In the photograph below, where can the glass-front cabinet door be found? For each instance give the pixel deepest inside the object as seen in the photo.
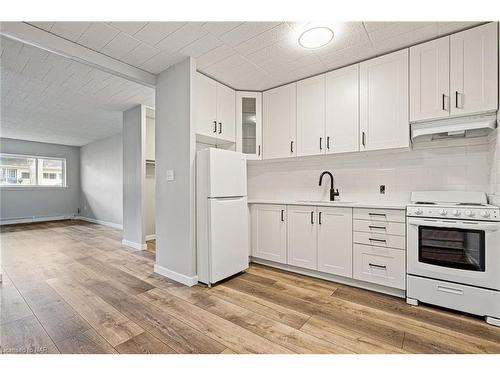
(249, 124)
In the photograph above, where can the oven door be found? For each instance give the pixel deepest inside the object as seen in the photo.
(465, 252)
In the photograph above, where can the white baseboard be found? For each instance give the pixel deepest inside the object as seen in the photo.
(135, 245)
(183, 279)
(34, 219)
(150, 237)
(95, 221)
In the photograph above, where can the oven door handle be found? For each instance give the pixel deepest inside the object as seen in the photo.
(457, 224)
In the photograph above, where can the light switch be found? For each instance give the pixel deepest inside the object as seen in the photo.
(170, 175)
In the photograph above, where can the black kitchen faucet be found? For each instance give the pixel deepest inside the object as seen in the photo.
(333, 193)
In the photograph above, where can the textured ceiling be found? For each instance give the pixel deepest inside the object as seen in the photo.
(245, 55)
(49, 98)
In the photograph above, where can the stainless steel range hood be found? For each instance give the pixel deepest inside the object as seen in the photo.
(461, 127)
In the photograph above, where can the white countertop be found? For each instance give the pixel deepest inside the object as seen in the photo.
(359, 204)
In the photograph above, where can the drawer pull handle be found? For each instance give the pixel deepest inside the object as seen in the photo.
(376, 214)
(376, 227)
(282, 215)
(377, 266)
(377, 240)
(450, 290)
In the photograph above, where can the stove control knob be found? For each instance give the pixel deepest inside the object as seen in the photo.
(418, 211)
(442, 212)
(485, 214)
(469, 213)
(456, 212)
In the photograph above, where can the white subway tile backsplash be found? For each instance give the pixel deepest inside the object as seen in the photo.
(474, 167)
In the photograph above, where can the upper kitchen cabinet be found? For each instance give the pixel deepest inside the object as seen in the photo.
(205, 114)
(474, 70)
(430, 80)
(342, 110)
(456, 75)
(215, 112)
(249, 124)
(280, 120)
(226, 114)
(311, 116)
(384, 120)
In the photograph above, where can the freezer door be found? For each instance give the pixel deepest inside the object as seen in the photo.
(228, 237)
(228, 174)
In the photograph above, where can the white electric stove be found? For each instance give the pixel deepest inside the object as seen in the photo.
(453, 249)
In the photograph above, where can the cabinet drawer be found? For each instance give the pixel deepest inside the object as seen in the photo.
(377, 214)
(465, 298)
(379, 265)
(377, 239)
(371, 226)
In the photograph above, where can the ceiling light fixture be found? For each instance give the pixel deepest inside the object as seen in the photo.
(316, 37)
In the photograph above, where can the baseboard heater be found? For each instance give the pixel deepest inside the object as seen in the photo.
(33, 219)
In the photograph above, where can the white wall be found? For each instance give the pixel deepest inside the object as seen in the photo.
(101, 175)
(175, 150)
(149, 182)
(358, 175)
(134, 121)
(41, 202)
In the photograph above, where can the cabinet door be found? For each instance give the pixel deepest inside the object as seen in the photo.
(268, 230)
(226, 114)
(249, 124)
(384, 121)
(311, 116)
(205, 106)
(302, 236)
(342, 110)
(430, 80)
(280, 120)
(335, 240)
(474, 70)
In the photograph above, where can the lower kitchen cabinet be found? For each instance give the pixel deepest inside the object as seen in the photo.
(364, 244)
(379, 265)
(268, 239)
(302, 236)
(335, 240)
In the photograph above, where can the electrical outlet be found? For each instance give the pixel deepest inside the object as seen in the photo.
(170, 175)
(382, 189)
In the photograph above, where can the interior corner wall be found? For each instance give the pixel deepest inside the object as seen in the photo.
(28, 203)
(101, 176)
(175, 150)
(133, 176)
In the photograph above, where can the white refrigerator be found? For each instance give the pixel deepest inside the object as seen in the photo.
(222, 239)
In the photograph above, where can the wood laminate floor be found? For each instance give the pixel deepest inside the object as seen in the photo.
(71, 287)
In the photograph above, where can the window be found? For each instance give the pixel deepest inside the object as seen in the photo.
(19, 170)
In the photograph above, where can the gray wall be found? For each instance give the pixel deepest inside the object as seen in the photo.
(101, 180)
(134, 124)
(175, 150)
(27, 202)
